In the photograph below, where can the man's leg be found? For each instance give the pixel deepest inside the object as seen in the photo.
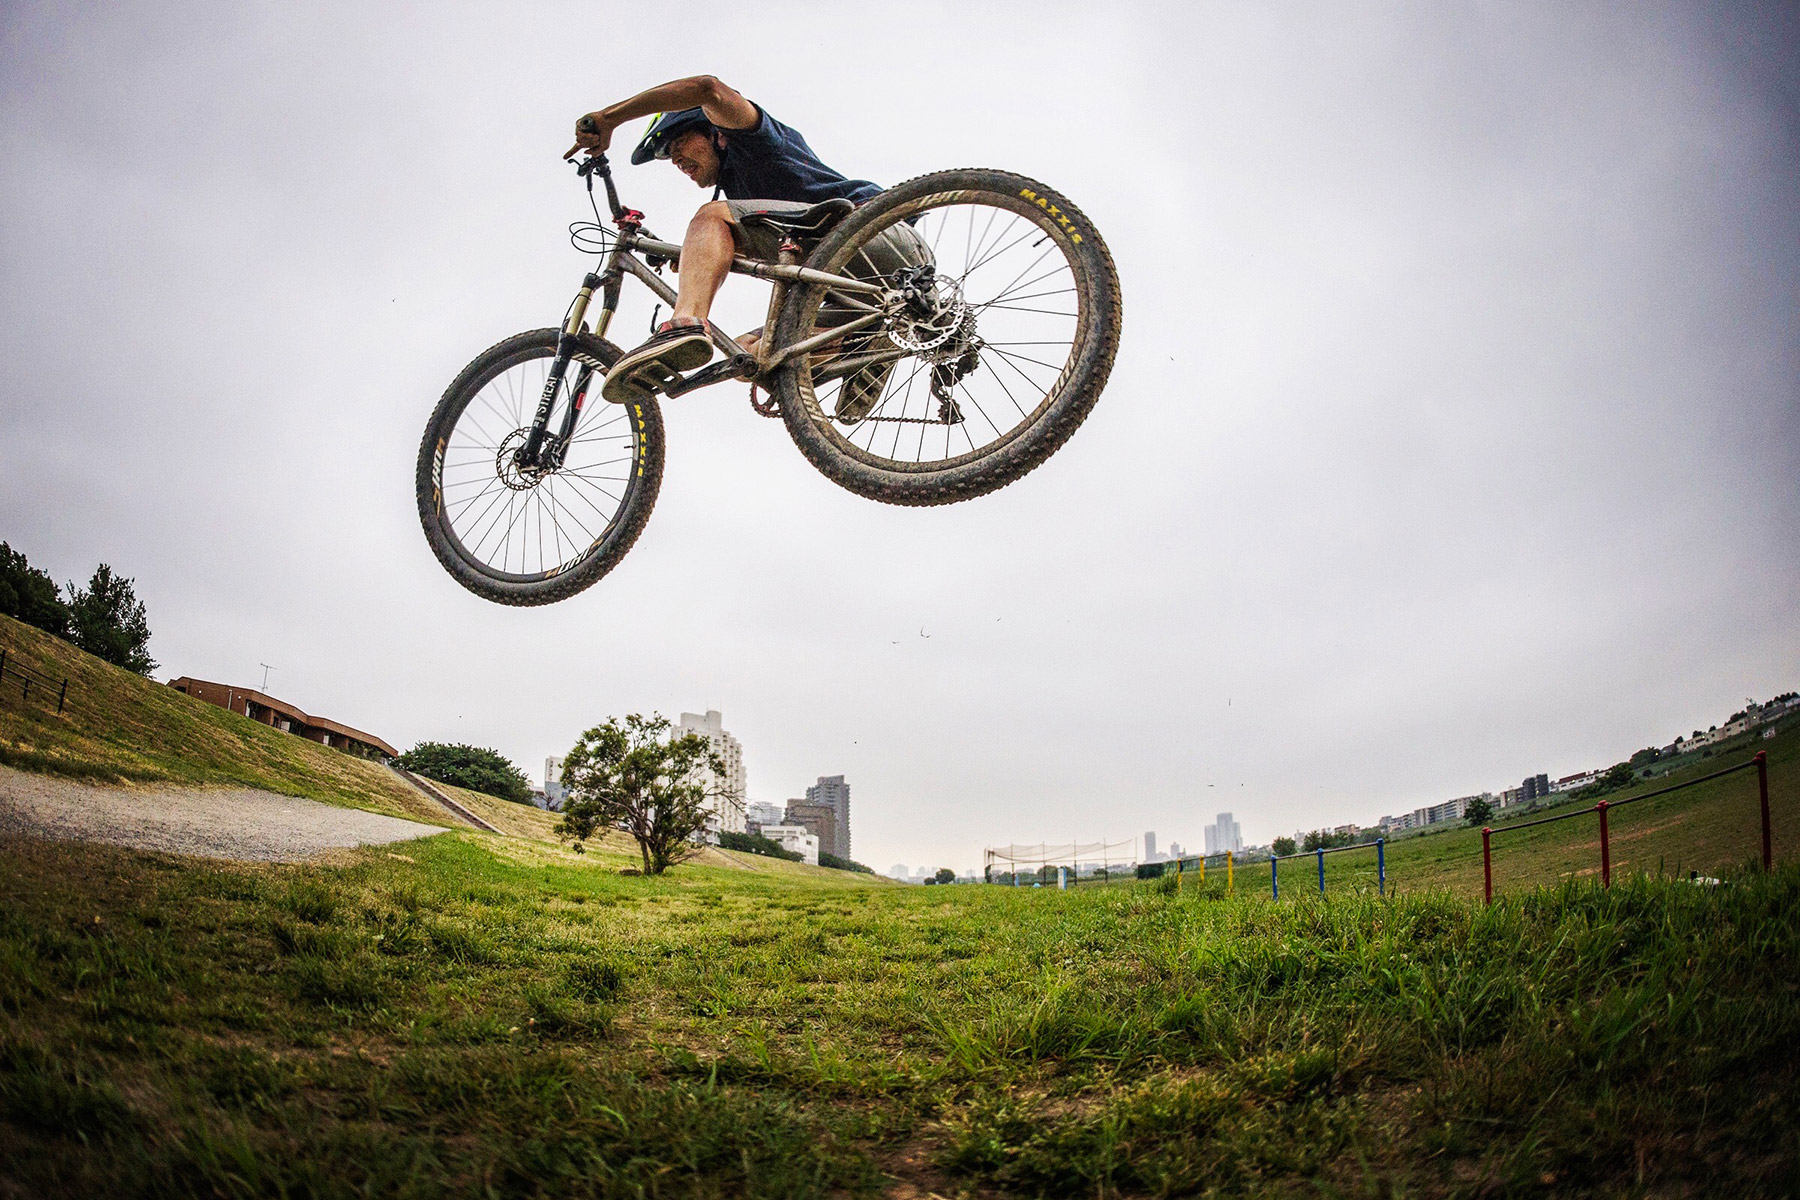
(706, 254)
(682, 344)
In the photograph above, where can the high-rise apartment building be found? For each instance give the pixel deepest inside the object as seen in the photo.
(554, 791)
(759, 813)
(725, 793)
(821, 819)
(1224, 834)
(1150, 846)
(832, 791)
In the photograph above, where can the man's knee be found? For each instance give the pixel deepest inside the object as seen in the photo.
(713, 212)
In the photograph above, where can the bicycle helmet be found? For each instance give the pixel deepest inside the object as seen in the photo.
(665, 128)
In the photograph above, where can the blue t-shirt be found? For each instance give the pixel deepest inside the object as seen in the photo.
(771, 161)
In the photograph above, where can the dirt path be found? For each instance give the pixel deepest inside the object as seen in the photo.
(242, 824)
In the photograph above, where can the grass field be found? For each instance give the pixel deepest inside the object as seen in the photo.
(472, 1015)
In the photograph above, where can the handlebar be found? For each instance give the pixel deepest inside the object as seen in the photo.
(596, 164)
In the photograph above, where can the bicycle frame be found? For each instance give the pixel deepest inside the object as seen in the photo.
(622, 259)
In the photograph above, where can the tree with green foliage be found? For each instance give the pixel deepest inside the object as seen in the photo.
(1479, 812)
(1282, 846)
(842, 864)
(633, 775)
(1617, 776)
(107, 620)
(29, 595)
(474, 767)
(945, 875)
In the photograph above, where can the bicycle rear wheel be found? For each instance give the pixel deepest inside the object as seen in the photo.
(1000, 351)
(535, 536)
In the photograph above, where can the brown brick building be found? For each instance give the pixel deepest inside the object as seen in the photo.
(248, 702)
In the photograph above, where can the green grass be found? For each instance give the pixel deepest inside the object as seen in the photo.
(118, 727)
(466, 1019)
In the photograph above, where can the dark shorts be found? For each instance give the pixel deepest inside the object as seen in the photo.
(898, 246)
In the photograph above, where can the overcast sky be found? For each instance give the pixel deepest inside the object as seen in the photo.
(1454, 436)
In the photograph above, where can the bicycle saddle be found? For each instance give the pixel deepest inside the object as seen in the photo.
(812, 223)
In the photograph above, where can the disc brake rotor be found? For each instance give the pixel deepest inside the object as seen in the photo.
(944, 315)
(506, 464)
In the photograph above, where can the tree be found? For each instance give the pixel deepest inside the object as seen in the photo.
(474, 767)
(1479, 812)
(842, 864)
(107, 620)
(632, 775)
(1282, 846)
(1617, 776)
(945, 875)
(29, 595)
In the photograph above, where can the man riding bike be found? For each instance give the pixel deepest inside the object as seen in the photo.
(764, 169)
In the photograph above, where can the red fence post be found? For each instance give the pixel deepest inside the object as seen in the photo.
(1762, 787)
(1487, 865)
(1605, 847)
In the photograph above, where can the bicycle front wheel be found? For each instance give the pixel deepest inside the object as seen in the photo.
(519, 535)
(997, 334)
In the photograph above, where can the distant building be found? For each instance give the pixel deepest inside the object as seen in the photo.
(279, 714)
(759, 813)
(1150, 854)
(796, 838)
(725, 792)
(820, 818)
(554, 791)
(1569, 783)
(898, 871)
(1175, 850)
(1534, 787)
(1224, 834)
(831, 790)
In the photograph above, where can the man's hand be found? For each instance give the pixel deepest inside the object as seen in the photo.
(593, 133)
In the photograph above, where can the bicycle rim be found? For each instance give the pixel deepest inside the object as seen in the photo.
(516, 527)
(1011, 319)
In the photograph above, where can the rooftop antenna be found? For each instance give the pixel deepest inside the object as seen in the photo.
(265, 683)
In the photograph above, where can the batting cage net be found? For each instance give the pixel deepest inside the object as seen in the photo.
(1058, 863)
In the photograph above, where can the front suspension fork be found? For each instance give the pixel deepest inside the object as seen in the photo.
(542, 449)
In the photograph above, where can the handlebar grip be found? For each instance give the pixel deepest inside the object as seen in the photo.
(587, 125)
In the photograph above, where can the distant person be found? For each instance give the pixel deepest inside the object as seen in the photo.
(722, 141)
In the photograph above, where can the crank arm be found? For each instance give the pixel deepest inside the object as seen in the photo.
(738, 366)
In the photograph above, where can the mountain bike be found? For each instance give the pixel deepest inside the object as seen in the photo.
(928, 374)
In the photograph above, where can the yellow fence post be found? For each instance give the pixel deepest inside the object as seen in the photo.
(1178, 877)
(1228, 873)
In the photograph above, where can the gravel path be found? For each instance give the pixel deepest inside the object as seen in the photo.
(242, 824)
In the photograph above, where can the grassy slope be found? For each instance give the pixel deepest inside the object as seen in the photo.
(1707, 828)
(118, 726)
(463, 1020)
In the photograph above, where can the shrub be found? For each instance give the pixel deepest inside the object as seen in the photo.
(474, 767)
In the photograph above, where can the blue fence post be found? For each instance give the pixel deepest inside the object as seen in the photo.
(1380, 866)
(1274, 879)
(1321, 871)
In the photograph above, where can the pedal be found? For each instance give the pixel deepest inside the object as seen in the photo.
(726, 368)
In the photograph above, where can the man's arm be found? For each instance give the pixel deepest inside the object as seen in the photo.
(722, 105)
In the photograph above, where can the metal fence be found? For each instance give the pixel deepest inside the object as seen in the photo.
(1760, 763)
(13, 672)
(1379, 845)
